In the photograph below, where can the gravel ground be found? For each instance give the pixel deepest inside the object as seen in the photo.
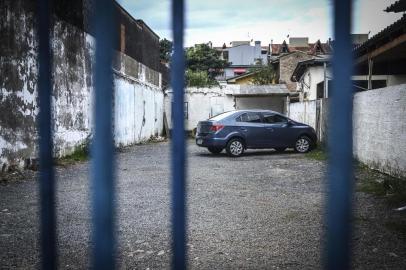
(261, 211)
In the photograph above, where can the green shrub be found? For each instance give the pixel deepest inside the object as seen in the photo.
(199, 79)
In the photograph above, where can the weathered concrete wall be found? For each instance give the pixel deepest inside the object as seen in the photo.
(380, 129)
(73, 51)
(72, 87)
(19, 104)
(18, 69)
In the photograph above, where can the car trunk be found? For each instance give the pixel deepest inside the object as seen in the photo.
(203, 128)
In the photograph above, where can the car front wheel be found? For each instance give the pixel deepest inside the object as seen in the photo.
(235, 147)
(303, 144)
(214, 150)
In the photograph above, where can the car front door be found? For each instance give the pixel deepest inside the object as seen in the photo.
(250, 125)
(277, 130)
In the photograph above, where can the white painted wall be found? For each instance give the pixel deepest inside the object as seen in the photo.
(138, 111)
(380, 129)
(304, 112)
(313, 76)
(379, 126)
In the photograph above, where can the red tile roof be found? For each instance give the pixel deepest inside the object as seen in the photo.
(311, 49)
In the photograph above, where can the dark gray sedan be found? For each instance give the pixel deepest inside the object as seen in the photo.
(238, 130)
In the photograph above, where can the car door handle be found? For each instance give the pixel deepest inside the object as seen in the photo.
(269, 128)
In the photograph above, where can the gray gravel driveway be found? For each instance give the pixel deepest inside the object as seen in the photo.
(261, 211)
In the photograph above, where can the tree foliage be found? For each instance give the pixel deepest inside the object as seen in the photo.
(264, 75)
(199, 79)
(165, 50)
(202, 57)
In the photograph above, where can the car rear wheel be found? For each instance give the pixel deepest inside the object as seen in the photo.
(303, 144)
(280, 149)
(235, 147)
(215, 150)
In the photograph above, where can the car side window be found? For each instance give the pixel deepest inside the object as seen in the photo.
(274, 119)
(242, 118)
(249, 118)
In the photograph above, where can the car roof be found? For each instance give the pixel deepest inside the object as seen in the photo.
(257, 111)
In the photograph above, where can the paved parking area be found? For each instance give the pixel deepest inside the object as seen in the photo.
(261, 211)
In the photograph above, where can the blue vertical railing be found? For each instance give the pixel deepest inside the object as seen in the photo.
(102, 146)
(178, 140)
(340, 172)
(337, 252)
(47, 180)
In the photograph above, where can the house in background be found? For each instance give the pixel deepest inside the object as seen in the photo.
(285, 57)
(242, 79)
(242, 56)
(310, 76)
(379, 62)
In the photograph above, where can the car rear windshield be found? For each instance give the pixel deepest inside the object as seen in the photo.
(221, 116)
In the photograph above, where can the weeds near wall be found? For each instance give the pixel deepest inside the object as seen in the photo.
(80, 154)
(392, 189)
(319, 153)
(370, 181)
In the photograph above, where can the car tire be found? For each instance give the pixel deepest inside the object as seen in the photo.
(280, 149)
(235, 147)
(303, 144)
(215, 150)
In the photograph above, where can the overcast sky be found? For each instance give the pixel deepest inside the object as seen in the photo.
(222, 21)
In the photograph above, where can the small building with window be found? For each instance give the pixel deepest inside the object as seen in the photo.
(310, 76)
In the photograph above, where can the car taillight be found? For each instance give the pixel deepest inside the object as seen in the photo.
(216, 128)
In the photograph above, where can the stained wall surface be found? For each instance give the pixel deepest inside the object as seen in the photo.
(73, 57)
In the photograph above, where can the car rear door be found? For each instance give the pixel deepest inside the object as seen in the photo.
(250, 125)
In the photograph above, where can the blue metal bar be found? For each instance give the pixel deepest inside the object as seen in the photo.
(47, 184)
(340, 143)
(102, 146)
(178, 140)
